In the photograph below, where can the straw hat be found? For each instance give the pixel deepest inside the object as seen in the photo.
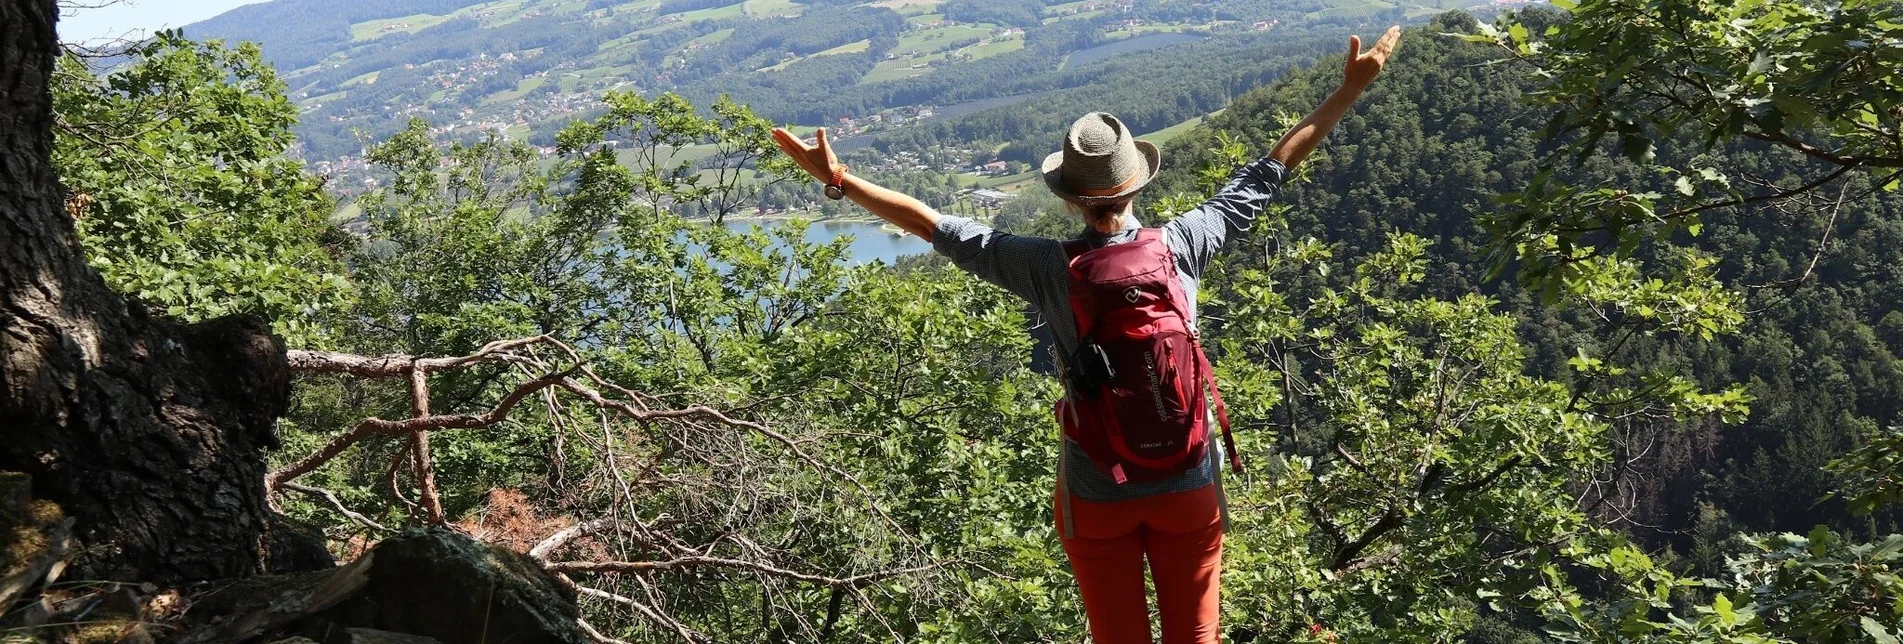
(1101, 162)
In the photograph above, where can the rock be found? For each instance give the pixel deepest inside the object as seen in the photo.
(263, 605)
(362, 636)
(373, 636)
(455, 589)
(424, 587)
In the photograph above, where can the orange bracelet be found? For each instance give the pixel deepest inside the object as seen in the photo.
(836, 188)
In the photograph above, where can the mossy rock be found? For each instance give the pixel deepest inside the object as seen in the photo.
(456, 589)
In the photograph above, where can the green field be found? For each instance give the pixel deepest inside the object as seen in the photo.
(734, 10)
(888, 70)
(373, 29)
(771, 8)
(936, 39)
(522, 88)
(320, 99)
(503, 13)
(1009, 180)
(1362, 9)
(1164, 135)
(994, 47)
(906, 67)
(491, 14)
(370, 77)
(910, 7)
(712, 38)
(848, 48)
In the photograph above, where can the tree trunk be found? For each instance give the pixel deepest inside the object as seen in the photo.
(151, 434)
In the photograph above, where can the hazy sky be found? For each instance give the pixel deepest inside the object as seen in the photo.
(141, 16)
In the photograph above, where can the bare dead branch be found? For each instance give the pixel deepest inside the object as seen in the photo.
(561, 537)
(686, 634)
(391, 366)
(425, 470)
(380, 427)
(338, 504)
(701, 410)
(597, 635)
(392, 480)
(722, 562)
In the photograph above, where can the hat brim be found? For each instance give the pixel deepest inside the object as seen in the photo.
(1053, 170)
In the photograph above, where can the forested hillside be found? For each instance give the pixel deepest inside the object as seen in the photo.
(1445, 132)
(526, 67)
(1546, 344)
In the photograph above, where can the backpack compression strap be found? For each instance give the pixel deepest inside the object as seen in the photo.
(1222, 411)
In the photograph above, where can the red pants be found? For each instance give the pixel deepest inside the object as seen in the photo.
(1181, 533)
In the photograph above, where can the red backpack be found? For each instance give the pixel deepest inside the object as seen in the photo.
(1134, 385)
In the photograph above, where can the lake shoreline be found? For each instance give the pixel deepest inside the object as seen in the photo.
(783, 217)
(871, 239)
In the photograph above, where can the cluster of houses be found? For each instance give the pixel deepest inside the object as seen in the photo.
(846, 126)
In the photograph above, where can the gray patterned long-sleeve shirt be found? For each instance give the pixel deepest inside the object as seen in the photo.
(1034, 268)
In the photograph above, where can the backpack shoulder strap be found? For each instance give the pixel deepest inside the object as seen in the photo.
(1150, 234)
(1075, 247)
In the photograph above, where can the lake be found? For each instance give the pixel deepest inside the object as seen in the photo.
(869, 242)
(1128, 45)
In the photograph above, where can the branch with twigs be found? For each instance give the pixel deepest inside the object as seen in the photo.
(854, 581)
(557, 380)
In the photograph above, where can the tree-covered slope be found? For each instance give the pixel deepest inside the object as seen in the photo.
(302, 32)
(1449, 126)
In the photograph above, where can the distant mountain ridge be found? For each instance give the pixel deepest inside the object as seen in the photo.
(525, 67)
(301, 32)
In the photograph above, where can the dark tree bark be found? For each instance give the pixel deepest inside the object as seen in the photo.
(151, 434)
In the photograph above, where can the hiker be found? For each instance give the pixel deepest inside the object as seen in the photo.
(1138, 475)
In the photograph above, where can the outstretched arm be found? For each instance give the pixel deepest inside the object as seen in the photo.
(900, 209)
(1361, 70)
(1202, 233)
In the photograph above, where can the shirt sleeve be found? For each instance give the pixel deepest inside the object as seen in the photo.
(1204, 231)
(1010, 261)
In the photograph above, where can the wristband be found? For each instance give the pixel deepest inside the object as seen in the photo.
(836, 186)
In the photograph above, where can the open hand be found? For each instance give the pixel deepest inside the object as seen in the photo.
(817, 160)
(1363, 67)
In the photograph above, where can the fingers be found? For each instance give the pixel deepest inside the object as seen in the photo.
(1389, 41)
(825, 149)
(790, 144)
(1354, 47)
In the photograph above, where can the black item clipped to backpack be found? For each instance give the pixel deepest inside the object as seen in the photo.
(1090, 369)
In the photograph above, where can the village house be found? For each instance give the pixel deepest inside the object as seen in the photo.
(988, 198)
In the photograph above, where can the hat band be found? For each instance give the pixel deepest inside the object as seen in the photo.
(1112, 190)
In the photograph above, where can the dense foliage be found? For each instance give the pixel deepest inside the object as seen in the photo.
(181, 186)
